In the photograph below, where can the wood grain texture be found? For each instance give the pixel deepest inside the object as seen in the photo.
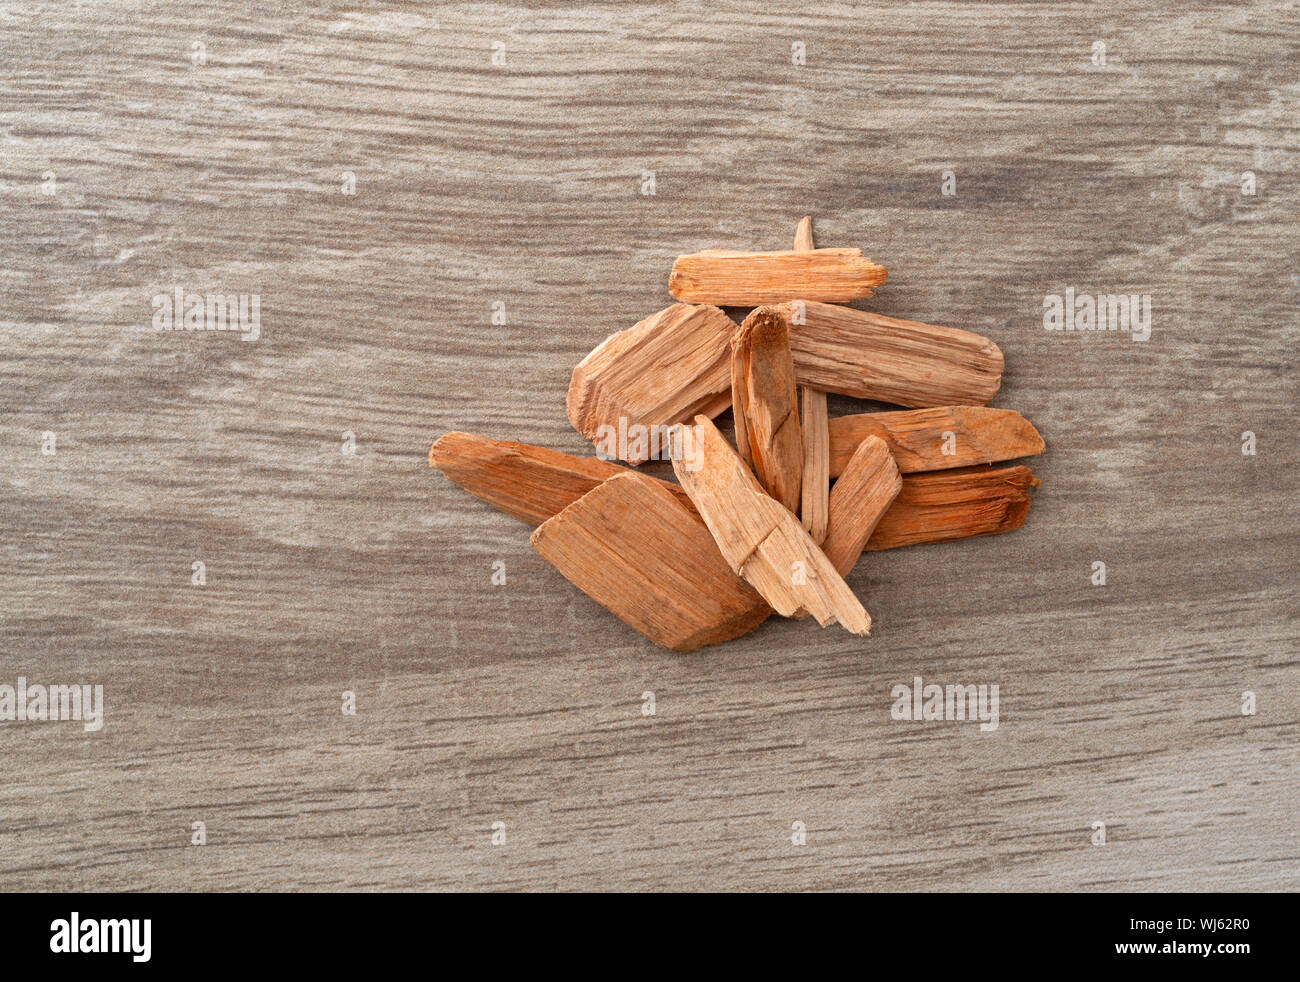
(519, 184)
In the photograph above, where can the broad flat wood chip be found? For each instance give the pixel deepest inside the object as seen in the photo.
(632, 547)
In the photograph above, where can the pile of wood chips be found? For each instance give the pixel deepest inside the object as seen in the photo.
(758, 527)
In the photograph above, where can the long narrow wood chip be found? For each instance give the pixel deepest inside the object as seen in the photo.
(765, 406)
(860, 498)
(816, 464)
(815, 505)
(533, 483)
(667, 369)
(944, 505)
(747, 279)
(936, 439)
(908, 363)
(759, 537)
(631, 546)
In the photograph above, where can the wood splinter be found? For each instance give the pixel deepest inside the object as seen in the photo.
(631, 546)
(816, 435)
(761, 540)
(765, 406)
(816, 464)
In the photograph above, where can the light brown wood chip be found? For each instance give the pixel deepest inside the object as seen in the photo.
(816, 438)
(937, 439)
(816, 464)
(803, 235)
(747, 279)
(865, 490)
(631, 546)
(944, 505)
(759, 537)
(533, 483)
(667, 369)
(856, 353)
(765, 406)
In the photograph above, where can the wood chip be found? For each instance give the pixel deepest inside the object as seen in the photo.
(803, 235)
(748, 279)
(816, 464)
(856, 353)
(667, 369)
(860, 498)
(761, 540)
(936, 439)
(631, 546)
(941, 506)
(765, 406)
(531, 483)
(814, 507)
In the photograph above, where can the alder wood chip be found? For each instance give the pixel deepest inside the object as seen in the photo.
(631, 546)
(759, 537)
(816, 464)
(860, 498)
(936, 439)
(765, 406)
(941, 506)
(748, 279)
(815, 501)
(667, 369)
(531, 483)
(856, 353)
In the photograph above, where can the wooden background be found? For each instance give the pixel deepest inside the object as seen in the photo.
(521, 183)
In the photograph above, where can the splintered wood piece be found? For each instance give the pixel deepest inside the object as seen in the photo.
(765, 406)
(533, 483)
(747, 279)
(816, 464)
(803, 237)
(631, 546)
(936, 439)
(530, 483)
(941, 506)
(667, 369)
(816, 437)
(759, 537)
(860, 498)
(856, 353)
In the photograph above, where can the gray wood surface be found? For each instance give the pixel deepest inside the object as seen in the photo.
(522, 703)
